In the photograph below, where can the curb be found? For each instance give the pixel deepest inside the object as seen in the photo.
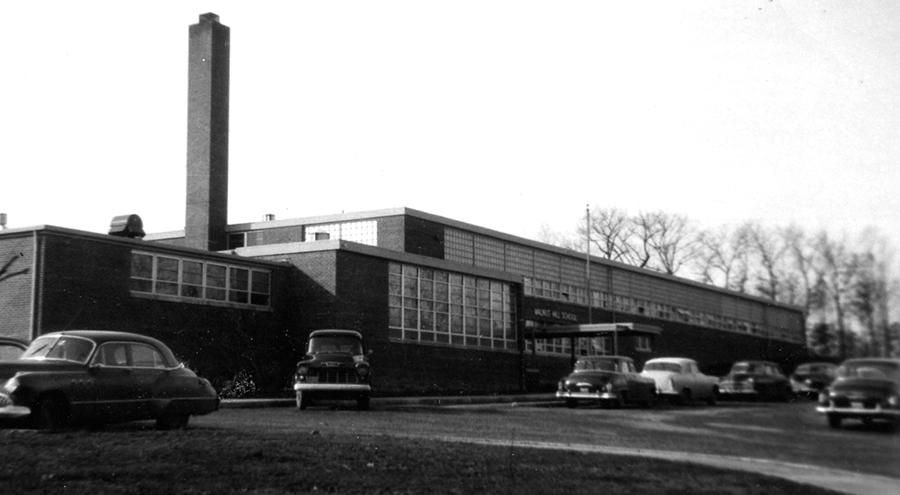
(398, 401)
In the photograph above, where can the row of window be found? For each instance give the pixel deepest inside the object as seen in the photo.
(552, 276)
(193, 279)
(427, 305)
(363, 232)
(568, 293)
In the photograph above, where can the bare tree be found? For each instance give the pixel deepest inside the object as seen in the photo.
(611, 229)
(674, 242)
(722, 258)
(646, 230)
(772, 278)
(548, 235)
(837, 276)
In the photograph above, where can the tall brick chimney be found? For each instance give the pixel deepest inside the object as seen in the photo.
(207, 136)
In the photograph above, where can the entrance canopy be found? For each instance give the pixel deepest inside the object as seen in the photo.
(592, 330)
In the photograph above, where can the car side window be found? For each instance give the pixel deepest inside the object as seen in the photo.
(112, 354)
(144, 356)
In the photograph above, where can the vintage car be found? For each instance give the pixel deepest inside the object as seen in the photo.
(609, 380)
(336, 366)
(863, 389)
(754, 380)
(101, 377)
(810, 378)
(11, 348)
(681, 380)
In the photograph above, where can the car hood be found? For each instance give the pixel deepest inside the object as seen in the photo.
(8, 369)
(868, 386)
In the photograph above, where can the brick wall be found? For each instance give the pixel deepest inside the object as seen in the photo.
(86, 284)
(16, 278)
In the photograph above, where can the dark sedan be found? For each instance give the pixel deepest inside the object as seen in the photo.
(811, 378)
(864, 389)
(100, 377)
(756, 380)
(610, 380)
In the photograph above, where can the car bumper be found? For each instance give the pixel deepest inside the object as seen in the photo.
(860, 412)
(349, 388)
(730, 389)
(11, 412)
(587, 395)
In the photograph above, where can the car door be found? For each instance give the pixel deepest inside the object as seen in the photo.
(108, 391)
(149, 372)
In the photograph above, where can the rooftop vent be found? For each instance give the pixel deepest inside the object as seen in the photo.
(127, 226)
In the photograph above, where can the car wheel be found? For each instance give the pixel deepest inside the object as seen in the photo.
(621, 400)
(571, 403)
(362, 403)
(172, 421)
(713, 395)
(302, 400)
(49, 414)
(834, 421)
(686, 397)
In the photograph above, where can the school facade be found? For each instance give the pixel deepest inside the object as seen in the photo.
(446, 306)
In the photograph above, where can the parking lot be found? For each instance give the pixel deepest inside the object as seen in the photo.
(790, 436)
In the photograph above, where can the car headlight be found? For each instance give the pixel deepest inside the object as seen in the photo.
(894, 401)
(11, 385)
(362, 370)
(302, 370)
(823, 397)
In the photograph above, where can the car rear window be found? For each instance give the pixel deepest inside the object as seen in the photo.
(662, 367)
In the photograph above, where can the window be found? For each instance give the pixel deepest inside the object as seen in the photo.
(198, 280)
(427, 305)
(642, 343)
(144, 356)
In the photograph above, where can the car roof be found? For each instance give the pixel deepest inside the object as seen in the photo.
(102, 336)
(872, 360)
(604, 358)
(676, 360)
(347, 333)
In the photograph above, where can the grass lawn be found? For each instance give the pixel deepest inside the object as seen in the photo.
(137, 459)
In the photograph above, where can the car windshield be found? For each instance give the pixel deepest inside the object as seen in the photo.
(59, 348)
(812, 368)
(746, 368)
(596, 365)
(663, 367)
(868, 369)
(335, 345)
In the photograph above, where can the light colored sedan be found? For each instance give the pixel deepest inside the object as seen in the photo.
(681, 380)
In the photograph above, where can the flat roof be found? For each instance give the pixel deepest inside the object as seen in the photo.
(591, 330)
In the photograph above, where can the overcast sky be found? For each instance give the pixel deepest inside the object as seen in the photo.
(507, 115)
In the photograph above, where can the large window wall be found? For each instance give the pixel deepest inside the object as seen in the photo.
(440, 307)
(554, 276)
